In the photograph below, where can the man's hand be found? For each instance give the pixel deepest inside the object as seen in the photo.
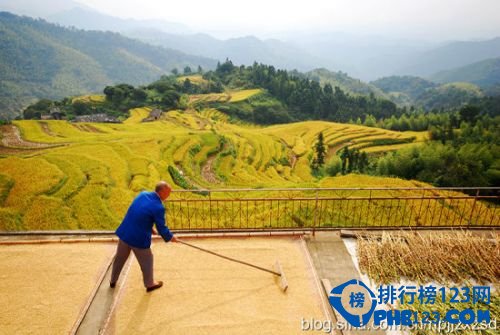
(154, 231)
(173, 239)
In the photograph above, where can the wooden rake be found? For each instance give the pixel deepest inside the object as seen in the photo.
(278, 271)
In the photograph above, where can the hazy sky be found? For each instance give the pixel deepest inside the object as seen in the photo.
(436, 19)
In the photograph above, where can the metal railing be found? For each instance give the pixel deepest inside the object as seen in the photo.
(327, 208)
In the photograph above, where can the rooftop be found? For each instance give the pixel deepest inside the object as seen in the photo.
(60, 283)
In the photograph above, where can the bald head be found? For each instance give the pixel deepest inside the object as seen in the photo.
(163, 190)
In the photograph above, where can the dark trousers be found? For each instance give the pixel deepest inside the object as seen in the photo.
(143, 256)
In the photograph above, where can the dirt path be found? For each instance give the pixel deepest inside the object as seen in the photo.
(87, 128)
(46, 129)
(294, 161)
(11, 137)
(207, 171)
(333, 150)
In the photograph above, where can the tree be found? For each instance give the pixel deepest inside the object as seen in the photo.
(370, 121)
(334, 166)
(187, 86)
(187, 70)
(139, 94)
(469, 113)
(344, 156)
(320, 150)
(81, 108)
(363, 162)
(174, 71)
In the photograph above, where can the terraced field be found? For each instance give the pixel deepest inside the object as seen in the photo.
(86, 174)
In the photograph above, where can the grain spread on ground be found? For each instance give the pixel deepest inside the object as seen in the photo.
(204, 294)
(43, 288)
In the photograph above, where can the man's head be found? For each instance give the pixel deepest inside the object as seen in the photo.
(163, 190)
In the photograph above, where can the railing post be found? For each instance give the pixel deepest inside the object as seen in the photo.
(210, 208)
(473, 206)
(315, 213)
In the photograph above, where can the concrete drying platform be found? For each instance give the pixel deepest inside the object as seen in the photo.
(203, 294)
(44, 288)
(333, 264)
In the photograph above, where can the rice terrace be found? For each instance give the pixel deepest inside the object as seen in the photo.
(83, 175)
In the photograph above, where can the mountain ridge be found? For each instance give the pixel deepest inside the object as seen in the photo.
(43, 60)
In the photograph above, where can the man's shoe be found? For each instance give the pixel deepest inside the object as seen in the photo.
(112, 285)
(154, 287)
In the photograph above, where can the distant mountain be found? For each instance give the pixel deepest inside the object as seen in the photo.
(346, 83)
(419, 92)
(450, 56)
(484, 74)
(242, 51)
(39, 59)
(89, 19)
(361, 56)
(37, 8)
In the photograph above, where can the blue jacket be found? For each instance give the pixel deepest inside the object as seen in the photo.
(136, 227)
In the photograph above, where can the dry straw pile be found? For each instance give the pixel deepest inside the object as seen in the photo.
(441, 257)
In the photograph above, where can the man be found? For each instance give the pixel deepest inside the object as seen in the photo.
(135, 234)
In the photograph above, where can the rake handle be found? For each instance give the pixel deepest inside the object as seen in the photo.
(229, 258)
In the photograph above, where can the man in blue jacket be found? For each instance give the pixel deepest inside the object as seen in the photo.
(135, 234)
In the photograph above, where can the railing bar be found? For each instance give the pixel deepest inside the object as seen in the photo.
(210, 209)
(231, 218)
(473, 207)
(240, 211)
(329, 198)
(424, 219)
(419, 214)
(338, 212)
(270, 212)
(492, 216)
(336, 189)
(278, 218)
(389, 215)
(463, 212)
(404, 210)
(454, 213)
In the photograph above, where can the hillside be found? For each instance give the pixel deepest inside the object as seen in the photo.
(409, 85)
(65, 175)
(485, 74)
(346, 83)
(448, 96)
(419, 92)
(43, 60)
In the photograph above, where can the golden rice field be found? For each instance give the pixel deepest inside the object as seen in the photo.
(137, 115)
(90, 98)
(88, 181)
(243, 94)
(195, 78)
